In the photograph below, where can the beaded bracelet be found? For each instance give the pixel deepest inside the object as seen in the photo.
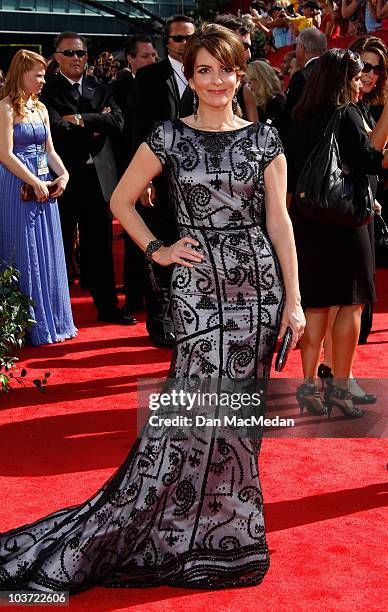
(152, 246)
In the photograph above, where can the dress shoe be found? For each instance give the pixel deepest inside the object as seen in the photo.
(164, 339)
(324, 373)
(127, 318)
(116, 316)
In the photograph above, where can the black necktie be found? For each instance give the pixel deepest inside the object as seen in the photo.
(76, 92)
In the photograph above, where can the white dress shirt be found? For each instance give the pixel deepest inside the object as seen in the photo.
(73, 82)
(180, 78)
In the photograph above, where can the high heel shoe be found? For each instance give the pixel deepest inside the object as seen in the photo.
(343, 400)
(324, 373)
(359, 396)
(308, 397)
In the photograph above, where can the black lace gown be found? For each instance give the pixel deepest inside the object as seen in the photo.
(184, 510)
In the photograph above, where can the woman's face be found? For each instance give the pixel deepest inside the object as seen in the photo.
(369, 77)
(293, 67)
(356, 87)
(251, 82)
(33, 80)
(214, 84)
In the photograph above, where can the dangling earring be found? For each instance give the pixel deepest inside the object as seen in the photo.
(235, 104)
(195, 105)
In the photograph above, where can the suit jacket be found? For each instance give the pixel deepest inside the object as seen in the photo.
(296, 85)
(156, 98)
(76, 144)
(123, 92)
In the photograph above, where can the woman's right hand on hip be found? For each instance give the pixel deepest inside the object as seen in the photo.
(178, 253)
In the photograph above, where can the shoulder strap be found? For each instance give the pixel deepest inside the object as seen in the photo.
(335, 121)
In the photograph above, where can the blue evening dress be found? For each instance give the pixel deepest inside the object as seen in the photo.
(31, 240)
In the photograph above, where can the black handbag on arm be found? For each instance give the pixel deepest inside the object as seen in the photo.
(327, 191)
(381, 242)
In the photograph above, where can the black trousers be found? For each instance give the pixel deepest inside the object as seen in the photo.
(134, 274)
(83, 203)
(161, 222)
(367, 312)
(366, 322)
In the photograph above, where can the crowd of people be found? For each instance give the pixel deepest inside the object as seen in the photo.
(272, 25)
(278, 24)
(191, 151)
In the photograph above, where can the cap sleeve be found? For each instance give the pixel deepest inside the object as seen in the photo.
(273, 146)
(156, 141)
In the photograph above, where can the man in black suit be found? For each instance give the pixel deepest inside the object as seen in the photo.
(310, 45)
(162, 93)
(139, 51)
(84, 117)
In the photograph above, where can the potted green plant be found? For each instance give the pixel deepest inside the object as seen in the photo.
(15, 322)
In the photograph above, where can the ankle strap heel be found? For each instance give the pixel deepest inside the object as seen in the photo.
(343, 400)
(308, 397)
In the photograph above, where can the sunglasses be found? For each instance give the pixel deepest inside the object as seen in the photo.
(180, 38)
(353, 55)
(247, 46)
(376, 69)
(70, 53)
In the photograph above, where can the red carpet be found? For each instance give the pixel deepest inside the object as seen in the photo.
(324, 497)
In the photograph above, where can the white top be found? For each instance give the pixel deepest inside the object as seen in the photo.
(180, 78)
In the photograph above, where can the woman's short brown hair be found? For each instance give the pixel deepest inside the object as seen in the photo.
(372, 44)
(23, 61)
(223, 44)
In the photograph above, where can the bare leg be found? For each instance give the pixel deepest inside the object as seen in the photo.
(346, 330)
(354, 387)
(311, 345)
(312, 339)
(328, 342)
(345, 334)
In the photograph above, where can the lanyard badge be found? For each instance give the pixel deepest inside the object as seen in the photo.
(42, 161)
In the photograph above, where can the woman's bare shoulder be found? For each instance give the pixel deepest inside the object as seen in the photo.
(41, 106)
(6, 104)
(6, 108)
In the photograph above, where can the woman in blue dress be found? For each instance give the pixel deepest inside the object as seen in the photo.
(30, 231)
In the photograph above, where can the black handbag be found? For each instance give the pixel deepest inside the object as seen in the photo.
(327, 191)
(381, 242)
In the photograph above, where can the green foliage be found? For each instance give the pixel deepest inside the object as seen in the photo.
(15, 322)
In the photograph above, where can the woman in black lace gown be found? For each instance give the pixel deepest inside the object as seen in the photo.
(187, 510)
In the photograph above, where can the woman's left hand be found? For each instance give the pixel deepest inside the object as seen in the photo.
(293, 316)
(61, 183)
(377, 208)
